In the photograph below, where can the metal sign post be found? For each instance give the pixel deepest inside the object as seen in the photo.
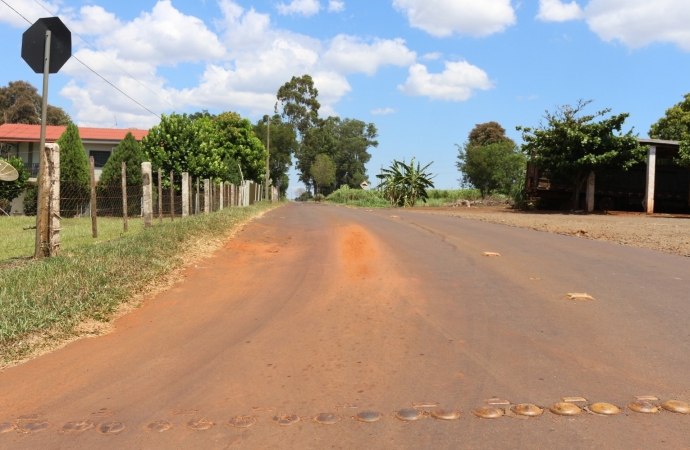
(46, 47)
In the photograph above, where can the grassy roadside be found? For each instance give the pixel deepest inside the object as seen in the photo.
(47, 299)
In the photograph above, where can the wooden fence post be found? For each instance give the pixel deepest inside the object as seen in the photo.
(124, 195)
(185, 194)
(94, 206)
(172, 196)
(147, 193)
(207, 196)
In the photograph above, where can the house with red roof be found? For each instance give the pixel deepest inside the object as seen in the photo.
(23, 141)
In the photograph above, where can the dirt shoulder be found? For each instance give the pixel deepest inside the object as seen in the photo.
(666, 233)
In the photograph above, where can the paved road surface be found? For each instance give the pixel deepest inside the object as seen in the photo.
(314, 307)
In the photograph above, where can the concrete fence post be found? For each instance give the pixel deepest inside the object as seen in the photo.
(185, 194)
(651, 180)
(222, 195)
(147, 176)
(207, 196)
(94, 204)
(53, 168)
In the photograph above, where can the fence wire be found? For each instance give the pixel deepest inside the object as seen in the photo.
(18, 226)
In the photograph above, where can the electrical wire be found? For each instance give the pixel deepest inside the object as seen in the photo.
(110, 60)
(85, 65)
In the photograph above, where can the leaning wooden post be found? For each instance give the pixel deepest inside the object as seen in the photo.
(160, 195)
(148, 194)
(196, 209)
(589, 202)
(94, 206)
(172, 196)
(207, 196)
(124, 195)
(185, 194)
(53, 168)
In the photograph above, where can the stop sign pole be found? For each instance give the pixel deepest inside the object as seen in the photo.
(46, 38)
(42, 230)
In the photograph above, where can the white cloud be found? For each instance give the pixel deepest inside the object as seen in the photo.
(300, 7)
(336, 6)
(383, 111)
(635, 23)
(466, 17)
(456, 83)
(27, 8)
(349, 54)
(557, 11)
(164, 36)
(93, 20)
(432, 56)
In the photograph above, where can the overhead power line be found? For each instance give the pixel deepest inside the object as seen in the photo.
(110, 60)
(85, 65)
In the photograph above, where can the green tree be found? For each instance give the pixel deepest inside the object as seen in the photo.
(491, 168)
(403, 184)
(130, 152)
(199, 114)
(323, 171)
(675, 124)
(170, 145)
(9, 190)
(569, 146)
(21, 103)
(74, 172)
(283, 145)
(235, 139)
(298, 98)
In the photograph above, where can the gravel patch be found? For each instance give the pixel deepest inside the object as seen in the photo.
(662, 232)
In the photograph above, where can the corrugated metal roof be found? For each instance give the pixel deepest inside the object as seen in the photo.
(658, 142)
(12, 132)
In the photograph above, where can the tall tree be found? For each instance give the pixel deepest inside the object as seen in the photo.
(170, 144)
(569, 145)
(298, 98)
(322, 171)
(236, 140)
(491, 168)
(489, 160)
(74, 172)
(21, 103)
(282, 146)
(487, 133)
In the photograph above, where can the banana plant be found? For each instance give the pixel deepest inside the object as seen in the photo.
(403, 184)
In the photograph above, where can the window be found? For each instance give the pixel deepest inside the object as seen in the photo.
(99, 158)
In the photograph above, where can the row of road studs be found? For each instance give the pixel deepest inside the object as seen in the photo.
(495, 408)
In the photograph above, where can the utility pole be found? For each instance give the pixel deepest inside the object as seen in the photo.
(268, 152)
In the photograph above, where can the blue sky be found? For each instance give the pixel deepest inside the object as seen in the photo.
(424, 71)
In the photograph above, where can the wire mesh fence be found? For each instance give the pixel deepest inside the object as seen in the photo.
(113, 208)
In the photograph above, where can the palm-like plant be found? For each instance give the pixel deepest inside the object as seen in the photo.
(403, 184)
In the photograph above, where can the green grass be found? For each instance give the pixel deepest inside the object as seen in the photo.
(15, 242)
(373, 199)
(53, 295)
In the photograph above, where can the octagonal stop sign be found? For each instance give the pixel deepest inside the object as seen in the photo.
(33, 44)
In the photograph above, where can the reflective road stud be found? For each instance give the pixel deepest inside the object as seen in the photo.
(159, 426)
(488, 412)
(445, 414)
(368, 416)
(644, 407)
(605, 409)
(327, 418)
(111, 427)
(77, 427)
(409, 414)
(526, 409)
(565, 409)
(241, 422)
(676, 406)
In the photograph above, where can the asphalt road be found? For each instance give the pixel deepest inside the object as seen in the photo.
(323, 309)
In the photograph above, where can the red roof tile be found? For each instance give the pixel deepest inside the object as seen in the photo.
(11, 132)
